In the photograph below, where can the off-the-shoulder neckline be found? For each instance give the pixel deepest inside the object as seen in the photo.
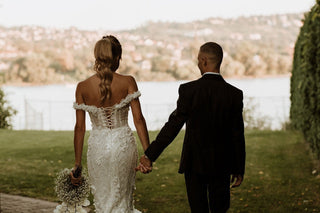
(137, 93)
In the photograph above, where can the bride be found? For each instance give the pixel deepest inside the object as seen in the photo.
(112, 152)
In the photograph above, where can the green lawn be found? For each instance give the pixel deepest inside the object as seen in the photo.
(278, 172)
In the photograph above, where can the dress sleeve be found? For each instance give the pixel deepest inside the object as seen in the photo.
(133, 96)
(128, 99)
(78, 106)
(84, 107)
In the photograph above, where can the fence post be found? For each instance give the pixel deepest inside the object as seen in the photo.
(25, 114)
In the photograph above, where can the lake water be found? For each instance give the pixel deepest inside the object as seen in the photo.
(50, 107)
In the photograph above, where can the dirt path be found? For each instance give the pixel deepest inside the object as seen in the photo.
(20, 204)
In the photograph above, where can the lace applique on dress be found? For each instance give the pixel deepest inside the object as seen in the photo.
(112, 156)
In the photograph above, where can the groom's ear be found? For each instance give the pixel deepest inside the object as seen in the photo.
(205, 61)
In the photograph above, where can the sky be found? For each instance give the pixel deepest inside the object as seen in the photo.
(128, 14)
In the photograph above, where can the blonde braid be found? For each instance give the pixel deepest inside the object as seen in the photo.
(107, 52)
(106, 75)
(103, 63)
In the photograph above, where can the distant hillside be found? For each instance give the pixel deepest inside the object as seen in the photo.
(157, 51)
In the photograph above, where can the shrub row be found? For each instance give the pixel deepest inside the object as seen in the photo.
(305, 80)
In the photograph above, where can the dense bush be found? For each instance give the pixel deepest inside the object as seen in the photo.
(305, 80)
(5, 112)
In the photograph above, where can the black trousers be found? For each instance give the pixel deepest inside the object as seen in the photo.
(205, 191)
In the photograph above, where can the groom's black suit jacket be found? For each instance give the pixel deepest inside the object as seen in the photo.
(214, 141)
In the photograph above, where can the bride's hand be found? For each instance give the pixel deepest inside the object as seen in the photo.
(75, 181)
(143, 169)
(145, 165)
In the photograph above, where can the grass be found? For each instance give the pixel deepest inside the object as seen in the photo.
(278, 172)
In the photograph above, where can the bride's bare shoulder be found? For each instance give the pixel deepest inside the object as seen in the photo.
(128, 78)
(87, 82)
(129, 82)
(91, 78)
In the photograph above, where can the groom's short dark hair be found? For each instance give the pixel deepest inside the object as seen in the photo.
(214, 51)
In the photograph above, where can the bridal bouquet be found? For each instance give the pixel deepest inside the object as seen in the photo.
(72, 197)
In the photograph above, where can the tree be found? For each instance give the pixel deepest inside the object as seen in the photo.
(6, 112)
(305, 86)
(33, 68)
(231, 67)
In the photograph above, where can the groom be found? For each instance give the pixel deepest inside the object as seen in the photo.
(214, 144)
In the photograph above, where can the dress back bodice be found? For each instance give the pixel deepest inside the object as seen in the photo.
(109, 117)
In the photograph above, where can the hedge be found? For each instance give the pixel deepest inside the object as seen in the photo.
(305, 80)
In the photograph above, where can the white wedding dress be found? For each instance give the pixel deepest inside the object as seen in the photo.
(112, 156)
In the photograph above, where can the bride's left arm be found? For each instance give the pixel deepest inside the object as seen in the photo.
(138, 117)
(140, 123)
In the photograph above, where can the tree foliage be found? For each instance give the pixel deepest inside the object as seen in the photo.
(305, 80)
(6, 112)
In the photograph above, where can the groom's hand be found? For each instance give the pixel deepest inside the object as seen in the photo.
(236, 180)
(145, 165)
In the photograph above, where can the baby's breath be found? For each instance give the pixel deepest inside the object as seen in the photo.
(69, 193)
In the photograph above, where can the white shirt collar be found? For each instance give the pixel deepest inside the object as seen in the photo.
(211, 73)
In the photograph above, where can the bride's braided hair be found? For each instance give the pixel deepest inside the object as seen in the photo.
(107, 52)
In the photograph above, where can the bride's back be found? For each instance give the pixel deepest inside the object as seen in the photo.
(92, 95)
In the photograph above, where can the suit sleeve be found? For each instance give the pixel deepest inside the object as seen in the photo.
(171, 128)
(238, 140)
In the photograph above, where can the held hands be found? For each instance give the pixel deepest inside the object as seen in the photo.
(236, 180)
(145, 165)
